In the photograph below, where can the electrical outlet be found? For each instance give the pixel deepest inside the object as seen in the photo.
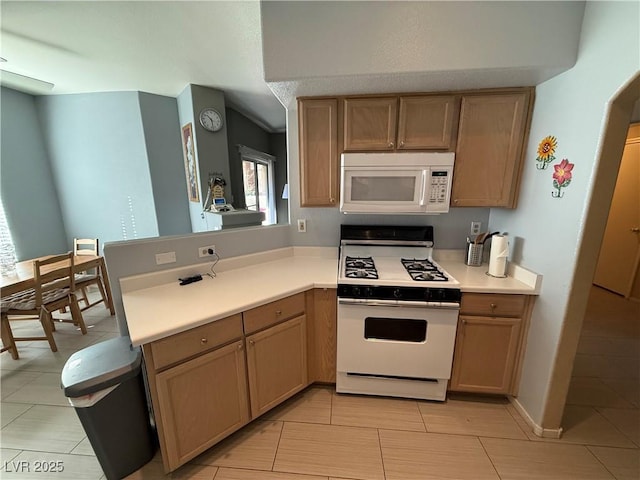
(168, 257)
(302, 225)
(206, 251)
(475, 228)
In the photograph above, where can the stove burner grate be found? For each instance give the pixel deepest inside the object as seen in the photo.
(423, 270)
(360, 267)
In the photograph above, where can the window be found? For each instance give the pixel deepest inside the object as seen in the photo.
(7, 250)
(258, 183)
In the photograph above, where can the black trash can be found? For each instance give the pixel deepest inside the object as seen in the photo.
(104, 383)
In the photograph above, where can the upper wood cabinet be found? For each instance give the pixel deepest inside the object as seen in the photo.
(428, 122)
(370, 123)
(491, 136)
(319, 157)
(417, 122)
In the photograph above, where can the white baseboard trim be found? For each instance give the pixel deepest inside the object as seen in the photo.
(535, 428)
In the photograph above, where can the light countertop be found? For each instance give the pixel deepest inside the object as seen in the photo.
(156, 306)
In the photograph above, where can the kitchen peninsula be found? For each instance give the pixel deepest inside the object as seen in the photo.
(222, 334)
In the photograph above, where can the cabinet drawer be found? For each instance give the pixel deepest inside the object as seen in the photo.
(494, 305)
(197, 340)
(272, 313)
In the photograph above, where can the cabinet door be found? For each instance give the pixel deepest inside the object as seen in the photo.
(277, 364)
(319, 163)
(489, 149)
(485, 354)
(428, 122)
(202, 401)
(321, 331)
(370, 123)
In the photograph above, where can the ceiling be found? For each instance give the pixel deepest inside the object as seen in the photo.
(156, 47)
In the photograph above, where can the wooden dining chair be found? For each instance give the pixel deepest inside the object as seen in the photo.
(89, 246)
(53, 290)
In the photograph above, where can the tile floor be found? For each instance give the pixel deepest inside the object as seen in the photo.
(319, 435)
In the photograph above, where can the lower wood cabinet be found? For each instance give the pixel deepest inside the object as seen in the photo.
(209, 381)
(322, 306)
(277, 364)
(485, 354)
(201, 401)
(490, 343)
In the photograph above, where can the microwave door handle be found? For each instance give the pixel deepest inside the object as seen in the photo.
(424, 187)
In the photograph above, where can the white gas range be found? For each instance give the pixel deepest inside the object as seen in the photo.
(397, 313)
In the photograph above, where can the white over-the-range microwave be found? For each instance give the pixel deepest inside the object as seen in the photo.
(396, 183)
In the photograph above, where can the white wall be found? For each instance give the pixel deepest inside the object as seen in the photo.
(303, 40)
(571, 107)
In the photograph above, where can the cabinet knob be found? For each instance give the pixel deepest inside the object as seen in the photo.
(464, 321)
(252, 342)
(240, 346)
(635, 230)
(203, 341)
(402, 144)
(493, 306)
(278, 312)
(455, 201)
(332, 200)
(390, 144)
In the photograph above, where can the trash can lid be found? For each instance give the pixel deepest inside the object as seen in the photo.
(100, 366)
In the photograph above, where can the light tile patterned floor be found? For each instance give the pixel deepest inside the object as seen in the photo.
(319, 435)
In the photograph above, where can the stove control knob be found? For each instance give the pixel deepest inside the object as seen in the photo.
(397, 293)
(368, 292)
(355, 291)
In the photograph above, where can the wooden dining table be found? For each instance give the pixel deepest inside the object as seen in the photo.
(23, 278)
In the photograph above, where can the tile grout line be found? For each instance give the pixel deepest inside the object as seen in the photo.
(384, 470)
(484, 449)
(18, 415)
(599, 461)
(275, 454)
(624, 435)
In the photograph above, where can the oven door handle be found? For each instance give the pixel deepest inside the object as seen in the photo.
(400, 303)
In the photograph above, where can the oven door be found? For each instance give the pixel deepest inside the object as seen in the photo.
(407, 340)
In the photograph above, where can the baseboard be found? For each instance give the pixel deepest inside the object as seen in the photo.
(535, 428)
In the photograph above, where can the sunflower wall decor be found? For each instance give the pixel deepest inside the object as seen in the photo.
(561, 177)
(546, 150)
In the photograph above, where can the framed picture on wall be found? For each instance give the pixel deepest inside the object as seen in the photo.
(190, 165)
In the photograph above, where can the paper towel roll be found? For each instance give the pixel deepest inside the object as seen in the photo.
(498, 255)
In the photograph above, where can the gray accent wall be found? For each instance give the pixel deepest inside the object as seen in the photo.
(242, 131)
(278, 148)
(211, 151)
(166, 164)
(29, 196)
(99, 161)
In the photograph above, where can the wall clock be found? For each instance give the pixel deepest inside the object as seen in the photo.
(210, 119)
